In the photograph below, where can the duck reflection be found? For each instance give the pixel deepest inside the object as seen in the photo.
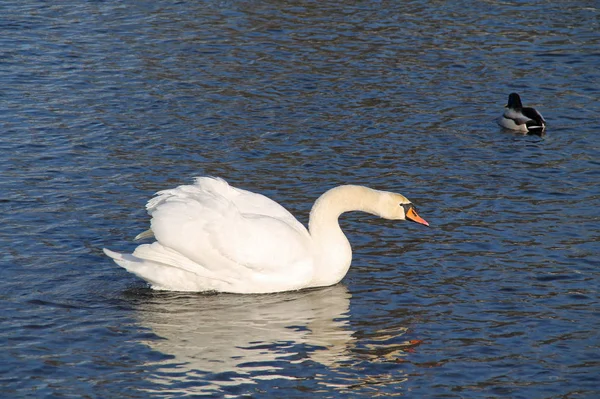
(251, 336)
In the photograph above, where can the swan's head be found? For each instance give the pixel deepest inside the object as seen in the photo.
(349, 198)
(397, 207)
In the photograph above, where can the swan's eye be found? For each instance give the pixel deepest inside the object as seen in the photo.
(407, 207)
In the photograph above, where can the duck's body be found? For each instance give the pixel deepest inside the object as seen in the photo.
(523, 119)
(214, 237)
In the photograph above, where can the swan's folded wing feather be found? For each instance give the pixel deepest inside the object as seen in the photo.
(211, 231)
(214, 236)
(166, 269)
(211, 189)
(247, 202)
(261, 243)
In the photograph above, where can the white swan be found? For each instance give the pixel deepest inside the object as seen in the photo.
(214, 237)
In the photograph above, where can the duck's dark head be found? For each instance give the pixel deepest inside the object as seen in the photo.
(514, 101)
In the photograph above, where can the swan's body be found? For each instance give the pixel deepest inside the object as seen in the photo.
(214, 237)
(523, 119)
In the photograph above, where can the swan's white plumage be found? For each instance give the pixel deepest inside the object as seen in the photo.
(211, 236)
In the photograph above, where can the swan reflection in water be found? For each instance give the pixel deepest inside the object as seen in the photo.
(249, 337)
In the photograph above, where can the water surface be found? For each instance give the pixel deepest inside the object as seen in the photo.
(105, 103)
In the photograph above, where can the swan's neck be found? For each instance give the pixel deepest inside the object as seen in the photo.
(333, 253)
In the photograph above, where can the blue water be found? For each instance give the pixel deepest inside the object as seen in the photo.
(105, 103)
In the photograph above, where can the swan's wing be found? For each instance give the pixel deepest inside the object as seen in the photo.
(245, 201)
(216, 226)
(166, 269)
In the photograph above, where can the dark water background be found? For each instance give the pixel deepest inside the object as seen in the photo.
(104, 103)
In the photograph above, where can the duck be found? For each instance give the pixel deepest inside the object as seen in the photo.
(523, 119)
(213, 237)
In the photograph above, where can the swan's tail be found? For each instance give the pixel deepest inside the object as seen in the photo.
(144, 234)
(166, 269)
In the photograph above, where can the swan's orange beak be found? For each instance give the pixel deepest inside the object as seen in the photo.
(411, 214)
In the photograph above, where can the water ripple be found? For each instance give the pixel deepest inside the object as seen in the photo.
(106, 103)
